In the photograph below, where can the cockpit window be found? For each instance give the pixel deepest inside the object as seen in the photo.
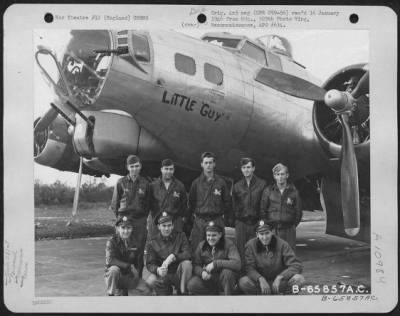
(254, 52)
(224, 42)
(141, 48)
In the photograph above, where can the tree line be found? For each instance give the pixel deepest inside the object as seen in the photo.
(61, 193)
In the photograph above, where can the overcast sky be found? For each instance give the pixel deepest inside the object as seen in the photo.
(322, 52)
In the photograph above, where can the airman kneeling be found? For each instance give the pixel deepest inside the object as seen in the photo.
(123, 261)
(270, 264)
(216, 263)
(168, 259)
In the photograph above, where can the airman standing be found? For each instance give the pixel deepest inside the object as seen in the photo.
(167, 194)
(246, 198)
(131, 198)
(281, 205)
(209, 199)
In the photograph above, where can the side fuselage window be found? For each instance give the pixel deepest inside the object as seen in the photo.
(185, 64)
(213, 74)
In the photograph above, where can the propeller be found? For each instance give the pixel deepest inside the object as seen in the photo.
(46, 120)
(349, 181)
(362, 86)
(343, 103)
(76, 196)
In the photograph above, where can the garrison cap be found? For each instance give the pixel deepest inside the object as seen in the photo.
(163, 218)
(263, 226)
(124, 220)
(213, 227)
(167, 162)
(132, 159)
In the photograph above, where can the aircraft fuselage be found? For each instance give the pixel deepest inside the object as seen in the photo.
(189, 114)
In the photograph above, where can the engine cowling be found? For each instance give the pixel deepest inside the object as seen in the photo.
(114, 135)
(104, 146)
(53, 148)
(53, 144)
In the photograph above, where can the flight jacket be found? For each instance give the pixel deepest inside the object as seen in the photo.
(122, 254)
(268, 262)
(131, 197)
(247, 199)
(173, 201)
(226, 256)
(281, 209)
(209, 199)
(159, 248)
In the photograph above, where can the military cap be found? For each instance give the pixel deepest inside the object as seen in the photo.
(263, 226)
(163, 218)
(124, 220)
(214, 227)
(132, 159)
(167, 162)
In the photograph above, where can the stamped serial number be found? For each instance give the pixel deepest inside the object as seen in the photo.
(331, 289)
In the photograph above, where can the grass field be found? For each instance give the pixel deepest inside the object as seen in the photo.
(92, 220)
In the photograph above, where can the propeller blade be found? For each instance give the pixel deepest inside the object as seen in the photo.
(291, 85)
(46, 120)
(76, 196)
(362, 86)
(349, 182)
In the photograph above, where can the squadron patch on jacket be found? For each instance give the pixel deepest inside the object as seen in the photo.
(140, 191)
(217, 192)
(289, 201)
(176, 194)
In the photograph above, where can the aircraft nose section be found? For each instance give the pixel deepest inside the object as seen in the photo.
(82, 70)
(85, 68)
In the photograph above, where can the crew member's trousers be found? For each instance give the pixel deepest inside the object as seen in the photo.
(140, 233)
(222, 281)
(244, 232)
(117, 283)
(178, 279)
(248, 286)
(287, 233)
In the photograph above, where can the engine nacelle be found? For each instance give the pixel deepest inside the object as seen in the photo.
(114, 135)
(53, 147)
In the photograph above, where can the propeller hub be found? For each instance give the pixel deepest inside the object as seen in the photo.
(352, 231)
(339, 101)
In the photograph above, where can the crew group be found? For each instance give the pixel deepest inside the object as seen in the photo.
(155, 215)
